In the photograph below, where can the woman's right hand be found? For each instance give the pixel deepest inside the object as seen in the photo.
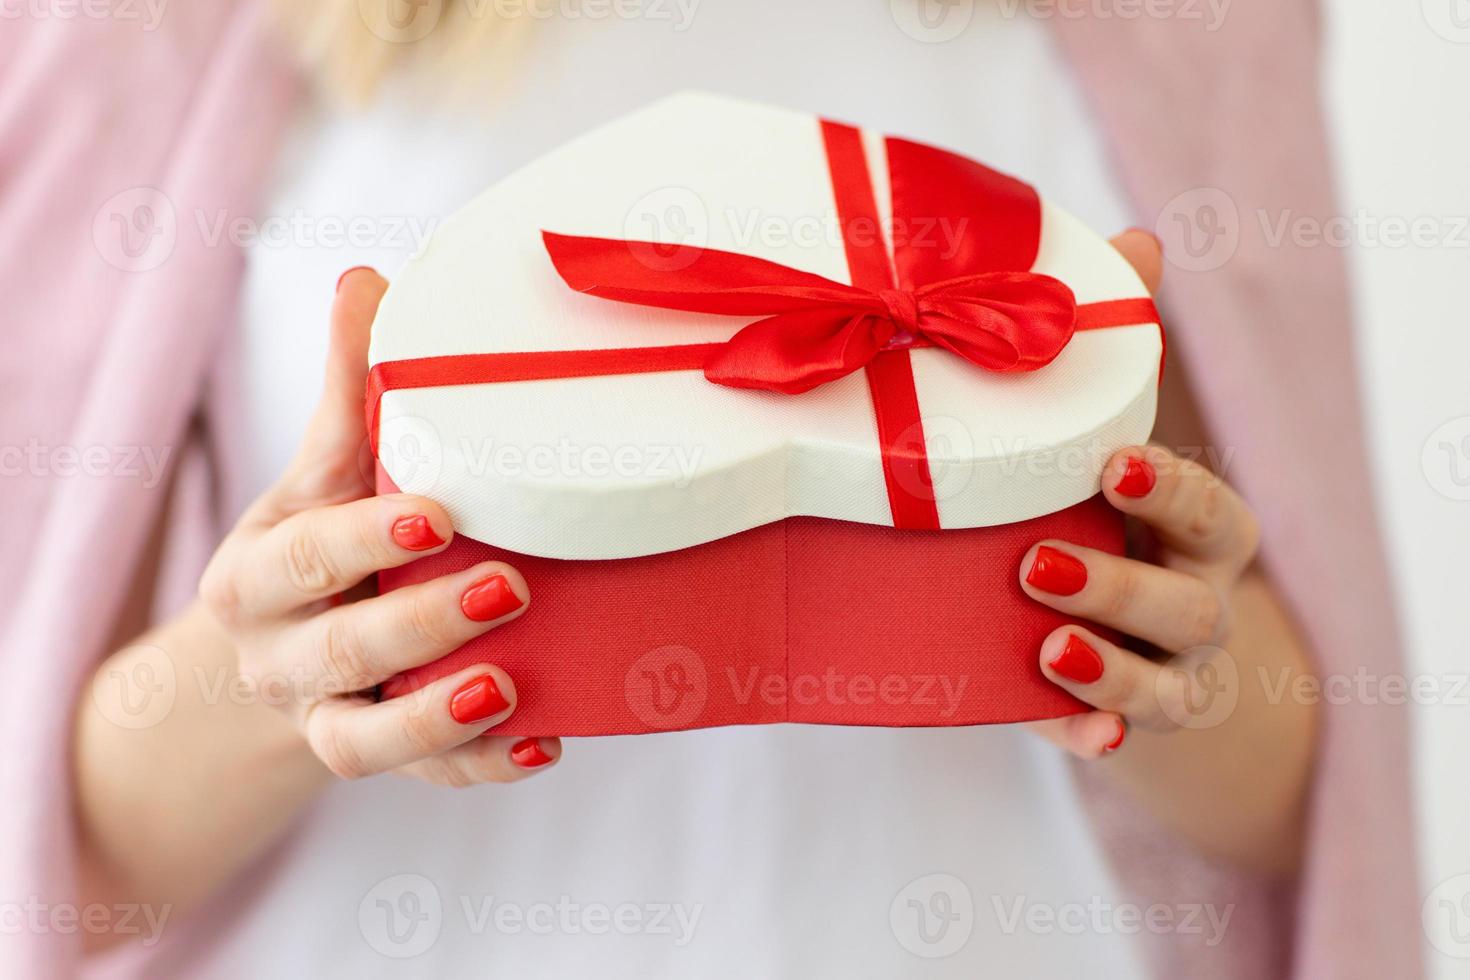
(287, 586)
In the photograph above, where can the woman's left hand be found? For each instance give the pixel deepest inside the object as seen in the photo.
(1207, 646)
(1178, 603)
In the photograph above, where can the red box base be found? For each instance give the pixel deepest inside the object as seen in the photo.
(804, 620)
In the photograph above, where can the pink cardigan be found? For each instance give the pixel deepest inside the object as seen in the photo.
(100, 356)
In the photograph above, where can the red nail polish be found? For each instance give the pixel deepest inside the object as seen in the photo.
(338, 287)
(477, 700)
(1056, 572)
(528, 754)
(1077, 662)
(1113, 745)
(490, 598)
(1138, 479)
(415, 533)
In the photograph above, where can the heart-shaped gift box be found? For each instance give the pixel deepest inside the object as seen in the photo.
(767, 409)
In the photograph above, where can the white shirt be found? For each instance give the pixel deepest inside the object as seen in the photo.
(782, 851)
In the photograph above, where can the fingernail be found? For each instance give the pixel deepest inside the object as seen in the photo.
(1077, 662)
(1138, 479)
(477, 700)
(415, 533)
(1144, 231)
(490, 598)
(1056, 572)
(1113, 745)
(528, 754)
(338, 287)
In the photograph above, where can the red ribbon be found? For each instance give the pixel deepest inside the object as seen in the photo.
(965, 238)
(817, 330)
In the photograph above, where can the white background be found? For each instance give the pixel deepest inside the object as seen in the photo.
(1399, 95)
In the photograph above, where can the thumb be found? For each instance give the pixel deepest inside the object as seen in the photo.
(326, 466)
(1143, 252)
(339, 414)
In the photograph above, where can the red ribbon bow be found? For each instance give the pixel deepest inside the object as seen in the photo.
(816, 330)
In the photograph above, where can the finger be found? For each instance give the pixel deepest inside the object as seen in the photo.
(491, 759)
(1087, 736)
(355, 737)
(354, 647)
(1143, 252)
(1168, 608)
(1150, 695)
(320, 552)
(1194, 513)
(338, 422)
(325, 468)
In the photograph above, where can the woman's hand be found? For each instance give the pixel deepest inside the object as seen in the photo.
(1180, 603)
(1194, 711)
(278, 613)
(283, 584)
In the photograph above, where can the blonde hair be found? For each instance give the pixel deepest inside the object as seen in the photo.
(349, 46)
